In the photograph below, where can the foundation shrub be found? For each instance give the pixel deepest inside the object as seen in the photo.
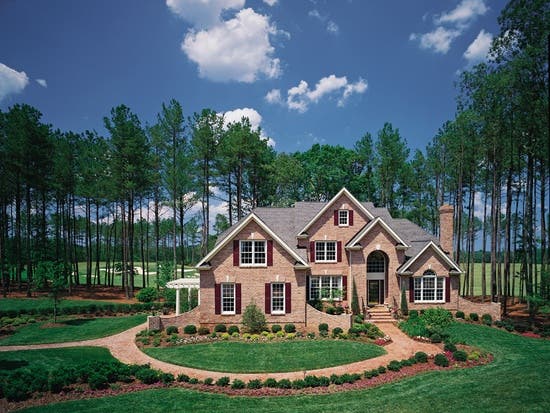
(238, 384)
(413, 313)
(220, 328)
(487, 319)
(441, 360)
(460, 314)
(203, 331)
(254, 319)
(222, 381)
(473, 317)
(323, 327)
(233, 329)
(171, 330)
(275, 328)
(337, 331)
(290, 328)
(190, 329)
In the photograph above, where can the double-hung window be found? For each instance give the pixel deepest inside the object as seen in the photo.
(325, 251)
(429, 288)
(228, 298)
(277, 298)
(253, 253)
(343, 217)
(325, 287)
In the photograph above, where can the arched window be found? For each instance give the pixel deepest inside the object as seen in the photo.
(376, 262)
(429, 288)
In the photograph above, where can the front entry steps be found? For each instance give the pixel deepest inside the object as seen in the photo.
(379, 314)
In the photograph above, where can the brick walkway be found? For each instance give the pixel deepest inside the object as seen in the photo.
(123, 347)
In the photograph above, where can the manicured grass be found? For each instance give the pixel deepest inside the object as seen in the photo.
(517, 381)
(477, 277)
(240, 357)
(72, 329)
(39, 303)
(53, 358)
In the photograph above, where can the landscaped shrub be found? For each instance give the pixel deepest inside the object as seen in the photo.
(171, 330)
(233, 329)
(166, 378)
(156, 341)
(404, 303)
(394, 365)
(291, 336)
(254, 319)
(147, 376)
(323, 327)
(225, 336)
(220, 328)
(203, 331)
(460, 355)
(441, 360)
(414, 327)
(290, 328)
(284, 384)
(254, 384)
(311, 335)
(474, 317)
(16, 391)
(521, 327)
(460, 314)
(208, 381)
(449, 347)
(421, 357)
(238, 384)
(276, 328)
(97, 381)
(413, 313)
(354, 331)
(270, 382)
(437, 317)
(435, 338)
(298, 384)
(190, 329)
(147, 295)
(222, 381)
(193, 380)
(381, 369)
(487, 319)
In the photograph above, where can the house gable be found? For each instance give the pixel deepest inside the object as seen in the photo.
(429, 256)
(355, 241)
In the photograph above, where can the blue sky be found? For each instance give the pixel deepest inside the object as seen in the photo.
(306, 71)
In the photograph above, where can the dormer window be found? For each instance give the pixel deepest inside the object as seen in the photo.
(343, 218)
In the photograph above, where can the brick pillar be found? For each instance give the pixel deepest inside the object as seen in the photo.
(446, 215)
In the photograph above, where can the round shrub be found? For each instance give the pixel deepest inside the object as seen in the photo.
(298, 384)
(487, 319)
(208, 381)
(190, 329)
(254, 319)
(194, 380)
(394, 365)
(171, 330)
(460, 314)
(237, 384)
(222, 381)
(254, 384)
(474, 317)
(435, 338)
(233, 329)
(460, 355)
(275, 328)
(311, 335)
(147, 376)
(225, 336)
(290, 328)
(449, 347)
(323, 327)
(441, 360)
(270, 382)
(421, 357)
(203, 331)
(166, 378)
(98, 381)
(336, 331)
(284, 384)
(381, 369)
(437, 317)
(220, 328)
(183, 378)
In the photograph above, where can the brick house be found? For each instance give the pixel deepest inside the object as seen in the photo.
(281, 258)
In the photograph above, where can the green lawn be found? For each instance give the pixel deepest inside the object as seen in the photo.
(53, 358)
(517, 381)
(72, 329)
(477, 277)
(267, 357)
(39, 303)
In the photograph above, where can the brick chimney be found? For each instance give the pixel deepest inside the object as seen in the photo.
(446, 216)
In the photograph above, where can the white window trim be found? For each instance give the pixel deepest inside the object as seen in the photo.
(435, 289)
(252, 264)
(338, 287)
(347, 218)
(283, 311)
(325, 252)
(234, 299)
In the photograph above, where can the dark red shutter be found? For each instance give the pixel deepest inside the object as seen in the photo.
(336, 217)
(268, 298)
(312, 251)
(269, 253)
(236, 253)
(307, 287)
(411, 290)
(339, 251)
(448, 289)
(238, 299)
(350, 218)
(217, 299)
(344, 287)
(288, 306)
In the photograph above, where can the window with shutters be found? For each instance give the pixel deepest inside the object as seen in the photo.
(253, 253)
(325, 251)
(429, 288)
(228, 298)
(277, 298)
(325, 287)
(343, 217)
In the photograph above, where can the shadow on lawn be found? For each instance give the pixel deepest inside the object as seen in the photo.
(12, 364)
(78, 321)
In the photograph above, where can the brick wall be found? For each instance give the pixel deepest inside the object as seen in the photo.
(161, 322)
(316, 317)
(467, 306)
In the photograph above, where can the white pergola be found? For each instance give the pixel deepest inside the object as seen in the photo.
(189, 283)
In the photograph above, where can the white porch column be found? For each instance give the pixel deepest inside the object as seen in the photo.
(178, 301)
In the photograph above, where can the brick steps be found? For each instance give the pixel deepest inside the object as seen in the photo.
(380, 314)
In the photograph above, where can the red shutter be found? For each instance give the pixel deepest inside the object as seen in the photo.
(307, 287)
(217, 299)
(339, 251)
(236, 253)
(312, 251)
(344, 287)
(350, 217)
(269, 253)
(336, 218)
(238, 299)
(288, 306)
(268, 298)
(411, 290)
(448, 289)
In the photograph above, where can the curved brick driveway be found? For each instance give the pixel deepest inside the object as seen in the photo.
(123, 347)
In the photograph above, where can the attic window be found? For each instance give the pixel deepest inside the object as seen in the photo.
(343, 218)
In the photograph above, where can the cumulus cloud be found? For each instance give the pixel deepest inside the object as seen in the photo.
(203, 13)
(332, 27)
(11, 81)
(300, 97)
(439, 40)
(253, 116)
(42, 82)
(271, 2)
(463, 13)
(478, 50)
(237, 49)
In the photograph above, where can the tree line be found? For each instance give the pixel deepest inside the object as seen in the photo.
(128, 197)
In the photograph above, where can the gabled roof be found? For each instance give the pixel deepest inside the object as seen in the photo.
(438, 251)
(367, 228)
(343, 191)
(238, 227)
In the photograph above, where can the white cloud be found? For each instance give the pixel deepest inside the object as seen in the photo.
(11, 81)
(237, 49)
(466, 11)
(332, 27)
(301, 96)
(439, 40)
(271, 2)
(253, 116)
(42, 82)
(274, 96)
(315, 13)
(478, 50)
(203, 13)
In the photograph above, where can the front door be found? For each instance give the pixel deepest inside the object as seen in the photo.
(376, 292)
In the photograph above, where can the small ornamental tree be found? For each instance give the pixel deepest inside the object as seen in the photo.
(52, 276)
(253, 319)
(404, 304)
(354, 299)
